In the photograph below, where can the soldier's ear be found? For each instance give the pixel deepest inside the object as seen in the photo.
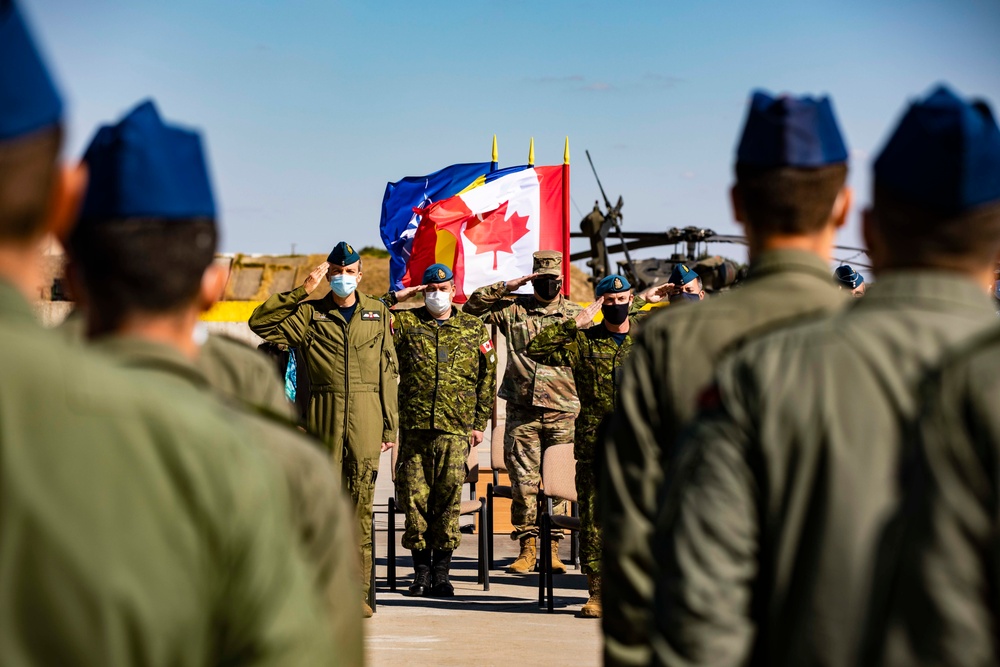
(842, 206)
(213, 283)
(68, 191)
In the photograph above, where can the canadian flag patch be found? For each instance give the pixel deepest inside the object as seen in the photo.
(486, 347)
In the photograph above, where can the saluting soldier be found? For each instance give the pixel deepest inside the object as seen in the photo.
(774, 509)
(790, 195)
(542, 403)
(136, 527)
(346, 342)
(595, 354)
(142, 260)
(447, 369)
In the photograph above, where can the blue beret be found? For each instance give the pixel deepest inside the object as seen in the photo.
(144, 168)
(682, 275)
(848, 277)
(28, 97)
(343, 254)
(945, 153)
(437, 273)
(790, 132)
(612, 284)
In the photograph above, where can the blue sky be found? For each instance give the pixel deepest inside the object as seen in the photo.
(310, 106)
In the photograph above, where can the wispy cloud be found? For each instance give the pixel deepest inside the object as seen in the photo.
(569, 78)
(599, 86)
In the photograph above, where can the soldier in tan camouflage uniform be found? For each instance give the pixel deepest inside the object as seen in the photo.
(447, 380)
(541, 400)
(595, 355)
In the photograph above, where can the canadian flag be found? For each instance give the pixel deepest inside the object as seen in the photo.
(489, 233)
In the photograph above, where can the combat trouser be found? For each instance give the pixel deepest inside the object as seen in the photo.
(359, 475)
(430, 472)
(590, 528)
(529, 432)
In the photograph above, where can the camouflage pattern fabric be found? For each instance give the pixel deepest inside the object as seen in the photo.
(596, 361)
(447, 372)
(360, 476)
(519, 319)
(529, 432)
(430, 473)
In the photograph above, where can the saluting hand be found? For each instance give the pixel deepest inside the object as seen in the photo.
(475, 438)
(659, 292)
(317, 276)
(586, 316)
(518, 283)
(407, 292)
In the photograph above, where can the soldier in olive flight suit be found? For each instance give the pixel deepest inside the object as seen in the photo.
(541, 400)
(346, 342)
(790, 196)
(136, 526)
(935, 596)
(595, 354)
(142, 260)
(778, 495)
(447, 369)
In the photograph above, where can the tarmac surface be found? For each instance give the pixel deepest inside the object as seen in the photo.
(502, 626)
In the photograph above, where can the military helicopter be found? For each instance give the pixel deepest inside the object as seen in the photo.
(717, 273)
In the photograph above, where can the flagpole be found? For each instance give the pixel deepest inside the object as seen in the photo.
(495, 162)
(565, 215)
(531, 153)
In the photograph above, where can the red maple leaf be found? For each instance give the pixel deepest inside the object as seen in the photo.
(494, 234)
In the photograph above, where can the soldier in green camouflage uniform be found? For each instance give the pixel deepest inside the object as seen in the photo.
(595, 355)
(447, 379)
(541, 400)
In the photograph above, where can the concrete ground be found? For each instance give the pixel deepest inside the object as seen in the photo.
(502, 626)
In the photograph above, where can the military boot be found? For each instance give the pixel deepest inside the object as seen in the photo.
(442, 588)
(525, 562)
(593, 607)
(421, 586)
(558, 567)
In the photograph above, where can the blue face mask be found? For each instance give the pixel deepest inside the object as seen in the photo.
(343, 284)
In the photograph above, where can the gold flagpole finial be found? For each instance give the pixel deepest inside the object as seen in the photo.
(495, 154)
(531, 153)
(566, 152)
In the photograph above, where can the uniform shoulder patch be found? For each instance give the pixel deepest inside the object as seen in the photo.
(371, 315)
(320, 316)
(486, 347)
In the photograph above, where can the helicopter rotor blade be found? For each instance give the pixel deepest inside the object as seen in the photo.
(607, 202)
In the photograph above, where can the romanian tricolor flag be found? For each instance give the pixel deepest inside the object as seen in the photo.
(488, 233)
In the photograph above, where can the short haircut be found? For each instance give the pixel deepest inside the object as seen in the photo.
(27, 175)
(147, 265)
(789, 200)
(917, 235)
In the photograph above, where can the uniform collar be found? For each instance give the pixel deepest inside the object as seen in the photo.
(800, 261)
(133, 352)
(425, 315)
(932, 289)
(534, 305)
(13, 305)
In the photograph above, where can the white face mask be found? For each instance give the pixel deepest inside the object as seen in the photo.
(343, 284)
(437, 302)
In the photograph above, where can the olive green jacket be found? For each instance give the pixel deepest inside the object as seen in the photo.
(671, 363)
(774, 505)
(321, 514)
(936, 594)
(596, 361)
(519, 318)
(351, 365)
(447, 372)
(242, 373)
(136, 526)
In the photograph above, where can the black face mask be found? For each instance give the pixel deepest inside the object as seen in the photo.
(684, 296)
(615, 313)
(546, 288)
